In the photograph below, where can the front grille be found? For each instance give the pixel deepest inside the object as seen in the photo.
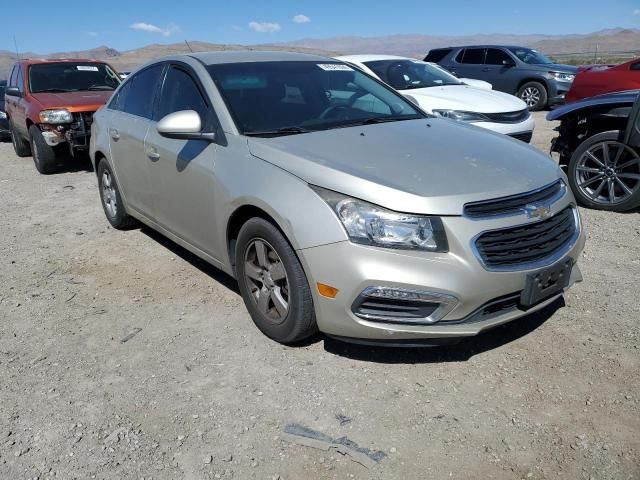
(523, 137)
(526, 244)
(508, 117)
(515, 204)
(391, 308)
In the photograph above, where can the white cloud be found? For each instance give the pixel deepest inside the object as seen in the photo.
(636, 11)
(301, 19)
(92, 34)
(264, 27)
(151, 28)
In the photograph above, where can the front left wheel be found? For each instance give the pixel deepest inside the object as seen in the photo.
(44, 156)
(273, 284)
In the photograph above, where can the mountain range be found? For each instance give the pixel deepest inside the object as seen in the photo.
(413, 45)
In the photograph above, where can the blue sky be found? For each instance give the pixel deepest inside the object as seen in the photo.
(134, 23)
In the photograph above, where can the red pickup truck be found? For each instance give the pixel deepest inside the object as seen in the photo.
(50, 105)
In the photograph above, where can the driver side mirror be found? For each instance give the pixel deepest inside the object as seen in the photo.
(184, 125)
(508, 63)
(13, 92)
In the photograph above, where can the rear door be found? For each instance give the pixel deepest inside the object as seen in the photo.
(469, 63)
(182, 171)
(18, 105)
(131, 112)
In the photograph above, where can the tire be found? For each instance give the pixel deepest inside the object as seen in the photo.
(111, 199)
(534, 94)
(591, 178)
(44, 156)
(20, 145)
(281, 278)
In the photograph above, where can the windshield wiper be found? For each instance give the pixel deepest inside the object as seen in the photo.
(277, 132)
(100, 87)
(382, 119)
(54, 90)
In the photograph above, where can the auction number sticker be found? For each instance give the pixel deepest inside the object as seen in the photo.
(335, 67)
(87, 68)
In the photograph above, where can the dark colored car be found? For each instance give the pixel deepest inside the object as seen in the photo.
(4, 122)
(599, 146)
(50, 106)
(600, 79)
(520, 71)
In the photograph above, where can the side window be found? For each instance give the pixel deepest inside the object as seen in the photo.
(180, 92)
(20, 80)
(473, 56)
(635, 66)
(138, 98)
(437, 54)
(12, 77)
(496, 57)
(117, 101)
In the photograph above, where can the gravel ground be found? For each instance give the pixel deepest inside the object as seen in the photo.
(199, 393)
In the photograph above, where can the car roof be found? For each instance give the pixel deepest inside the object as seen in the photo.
(35, 61)
(370, 58)
(241, 56)
(483, 46)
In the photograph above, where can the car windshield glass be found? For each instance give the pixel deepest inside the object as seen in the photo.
(289, 98)
(71, 77)
(410, 74)
(531, 57)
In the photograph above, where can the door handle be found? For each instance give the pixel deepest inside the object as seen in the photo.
(486, 69)
(114, 134)
(153, 155)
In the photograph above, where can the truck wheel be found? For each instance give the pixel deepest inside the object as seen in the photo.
(534, 94)
(20, 145)
(112, 200)
(273, 284)
(44, 156)
(604, 173)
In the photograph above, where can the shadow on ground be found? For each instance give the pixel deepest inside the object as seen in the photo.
(459, 352)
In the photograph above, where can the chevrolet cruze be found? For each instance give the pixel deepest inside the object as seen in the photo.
(337, 204)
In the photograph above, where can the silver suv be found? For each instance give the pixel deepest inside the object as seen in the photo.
(335, 202)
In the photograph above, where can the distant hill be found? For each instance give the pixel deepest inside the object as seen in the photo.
(413, 45)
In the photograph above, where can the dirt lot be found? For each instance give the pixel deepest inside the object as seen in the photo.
(199, 393)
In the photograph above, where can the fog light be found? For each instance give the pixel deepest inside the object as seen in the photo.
(401, 305)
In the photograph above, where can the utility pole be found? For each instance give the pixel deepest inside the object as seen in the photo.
(15, 44)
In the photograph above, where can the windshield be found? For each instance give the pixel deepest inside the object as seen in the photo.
(71, 77)
(409, 74)
(283, 98)
(532, 57)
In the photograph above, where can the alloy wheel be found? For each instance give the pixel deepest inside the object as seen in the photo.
(109, 194)
(608, 173)
(266, 280)
(531, 96)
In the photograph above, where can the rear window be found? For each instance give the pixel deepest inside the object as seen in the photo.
(437, 54)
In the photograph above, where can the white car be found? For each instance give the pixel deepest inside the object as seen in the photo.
(438, 92)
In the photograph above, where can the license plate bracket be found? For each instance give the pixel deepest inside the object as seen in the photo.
(545, 283)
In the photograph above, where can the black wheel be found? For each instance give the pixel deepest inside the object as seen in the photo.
(534, 94)
(111, 199)
(273, 284)
(604, 173)
(20, 145)
(44, 156)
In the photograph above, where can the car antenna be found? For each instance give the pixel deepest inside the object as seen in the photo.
(15, 43)
(189, 46)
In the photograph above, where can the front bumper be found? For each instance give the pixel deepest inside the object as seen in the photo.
(558, 91)
(352, 268)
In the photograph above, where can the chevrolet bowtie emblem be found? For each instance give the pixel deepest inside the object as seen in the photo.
(537, 211)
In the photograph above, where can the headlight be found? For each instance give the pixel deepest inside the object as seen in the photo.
(461, 116)
(563, 77)
(369, 224)
(56, 116)
(3, 115)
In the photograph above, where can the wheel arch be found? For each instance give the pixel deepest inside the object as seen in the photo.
(532, 79)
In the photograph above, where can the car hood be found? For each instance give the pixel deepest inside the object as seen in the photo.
(558, 67)
(465, 97)
(429, 166)
(73, 101)
(626, 98)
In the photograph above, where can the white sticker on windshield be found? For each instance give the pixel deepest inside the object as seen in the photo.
(335, 67)
(87, 68)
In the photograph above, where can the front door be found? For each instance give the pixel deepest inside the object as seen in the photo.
(182, 171)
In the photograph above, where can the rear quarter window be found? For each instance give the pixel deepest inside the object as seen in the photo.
(437, 54)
